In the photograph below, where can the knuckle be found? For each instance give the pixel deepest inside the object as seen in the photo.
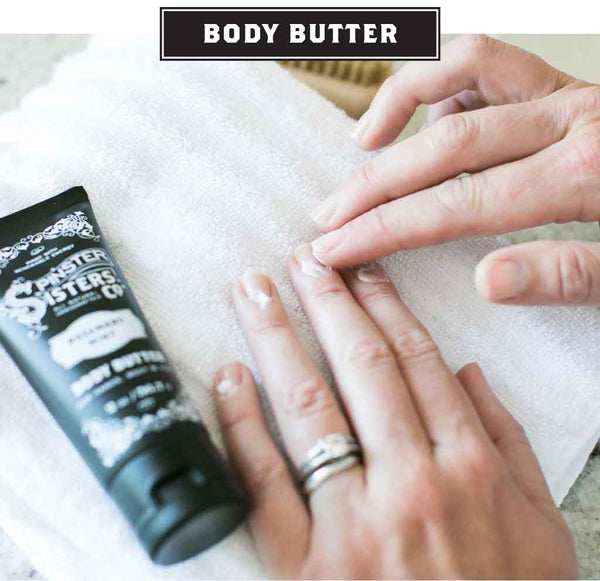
(586, 154)
(590, 98)
(481, 46)
(270, 324)
(424, 495)
(454, 133)
(367, 174)
(475, 459)
(307, 397)
(264, 474)
(554, 80)
(367, 352)
(464, 429)
(412, 342)
(574, 277)
(377, 223)
(229, 422)
(375, 291)
(515, 433)
(390, 84)
(480, 464)
(328, 290)
(395, 83)
(461, 198)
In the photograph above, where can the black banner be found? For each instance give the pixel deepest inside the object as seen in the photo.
(298, 34)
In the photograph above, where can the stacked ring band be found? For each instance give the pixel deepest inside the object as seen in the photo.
(331, 455)
(326, 472)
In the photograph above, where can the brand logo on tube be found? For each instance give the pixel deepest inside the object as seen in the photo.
(300, 34)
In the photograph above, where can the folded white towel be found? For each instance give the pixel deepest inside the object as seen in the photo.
(197, 171)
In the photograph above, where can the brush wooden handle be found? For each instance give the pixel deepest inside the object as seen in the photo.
(352, 98)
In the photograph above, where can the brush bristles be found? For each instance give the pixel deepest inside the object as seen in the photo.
(357, 72)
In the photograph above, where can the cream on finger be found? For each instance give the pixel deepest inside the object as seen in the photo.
(257, 287)
(309, 263)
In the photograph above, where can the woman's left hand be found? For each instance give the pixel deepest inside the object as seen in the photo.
(448, 487)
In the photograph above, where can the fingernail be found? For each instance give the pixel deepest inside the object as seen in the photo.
(308, 263)
(327, 243)
(227, 380)
(323, 213)
(370, 272)
(257, 287)
(507, 279)
(362, 126)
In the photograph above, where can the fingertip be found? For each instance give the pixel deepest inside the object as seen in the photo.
(376, 137)
(254, 290)
(502, 278)
(325, 247)
(469, 372)
(375, 130)
(362, 128)
(369, 143)
(370, 272)
(305, 261)
(323, 214)
(229, 378)
(481, 279)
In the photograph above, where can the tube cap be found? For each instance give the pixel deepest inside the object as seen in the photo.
(179, 495)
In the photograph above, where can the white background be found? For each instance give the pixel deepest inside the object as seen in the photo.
(457, 16)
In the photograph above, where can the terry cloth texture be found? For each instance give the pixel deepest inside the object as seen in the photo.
(197, 171)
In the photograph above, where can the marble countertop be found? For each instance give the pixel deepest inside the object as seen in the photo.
(28, 60)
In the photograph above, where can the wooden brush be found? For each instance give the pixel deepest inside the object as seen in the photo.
(351, 85)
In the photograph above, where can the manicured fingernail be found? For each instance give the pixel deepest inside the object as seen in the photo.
(323, 213)
(257, 287)
(227, 380)
(370, 272)
(507, 279)
(362, 126)
(326, 243)
(309, 264)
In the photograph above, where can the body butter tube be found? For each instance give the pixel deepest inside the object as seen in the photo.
(70, 322)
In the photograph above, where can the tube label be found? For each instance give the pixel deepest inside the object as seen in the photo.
(94, 335)
(70, 321)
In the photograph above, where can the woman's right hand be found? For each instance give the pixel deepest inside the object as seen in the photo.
(529, 137)
(449, 486)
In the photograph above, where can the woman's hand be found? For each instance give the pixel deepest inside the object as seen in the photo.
(449, 486)
(532, 158)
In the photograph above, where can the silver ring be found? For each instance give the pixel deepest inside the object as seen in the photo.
(324, 473)
(328, 449)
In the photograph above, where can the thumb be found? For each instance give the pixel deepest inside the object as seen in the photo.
(544, 272)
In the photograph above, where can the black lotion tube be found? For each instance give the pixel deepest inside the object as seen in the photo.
(70, 322)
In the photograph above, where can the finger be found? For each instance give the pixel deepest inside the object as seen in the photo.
(464, 101)
(303, 404)
(441, 401)
(544, 272)
(557, 184)
(278, 519)
(506, 433)
(367, 375)
(499, 72)
(466, 142)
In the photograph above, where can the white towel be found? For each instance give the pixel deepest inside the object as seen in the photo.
(197, 171)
